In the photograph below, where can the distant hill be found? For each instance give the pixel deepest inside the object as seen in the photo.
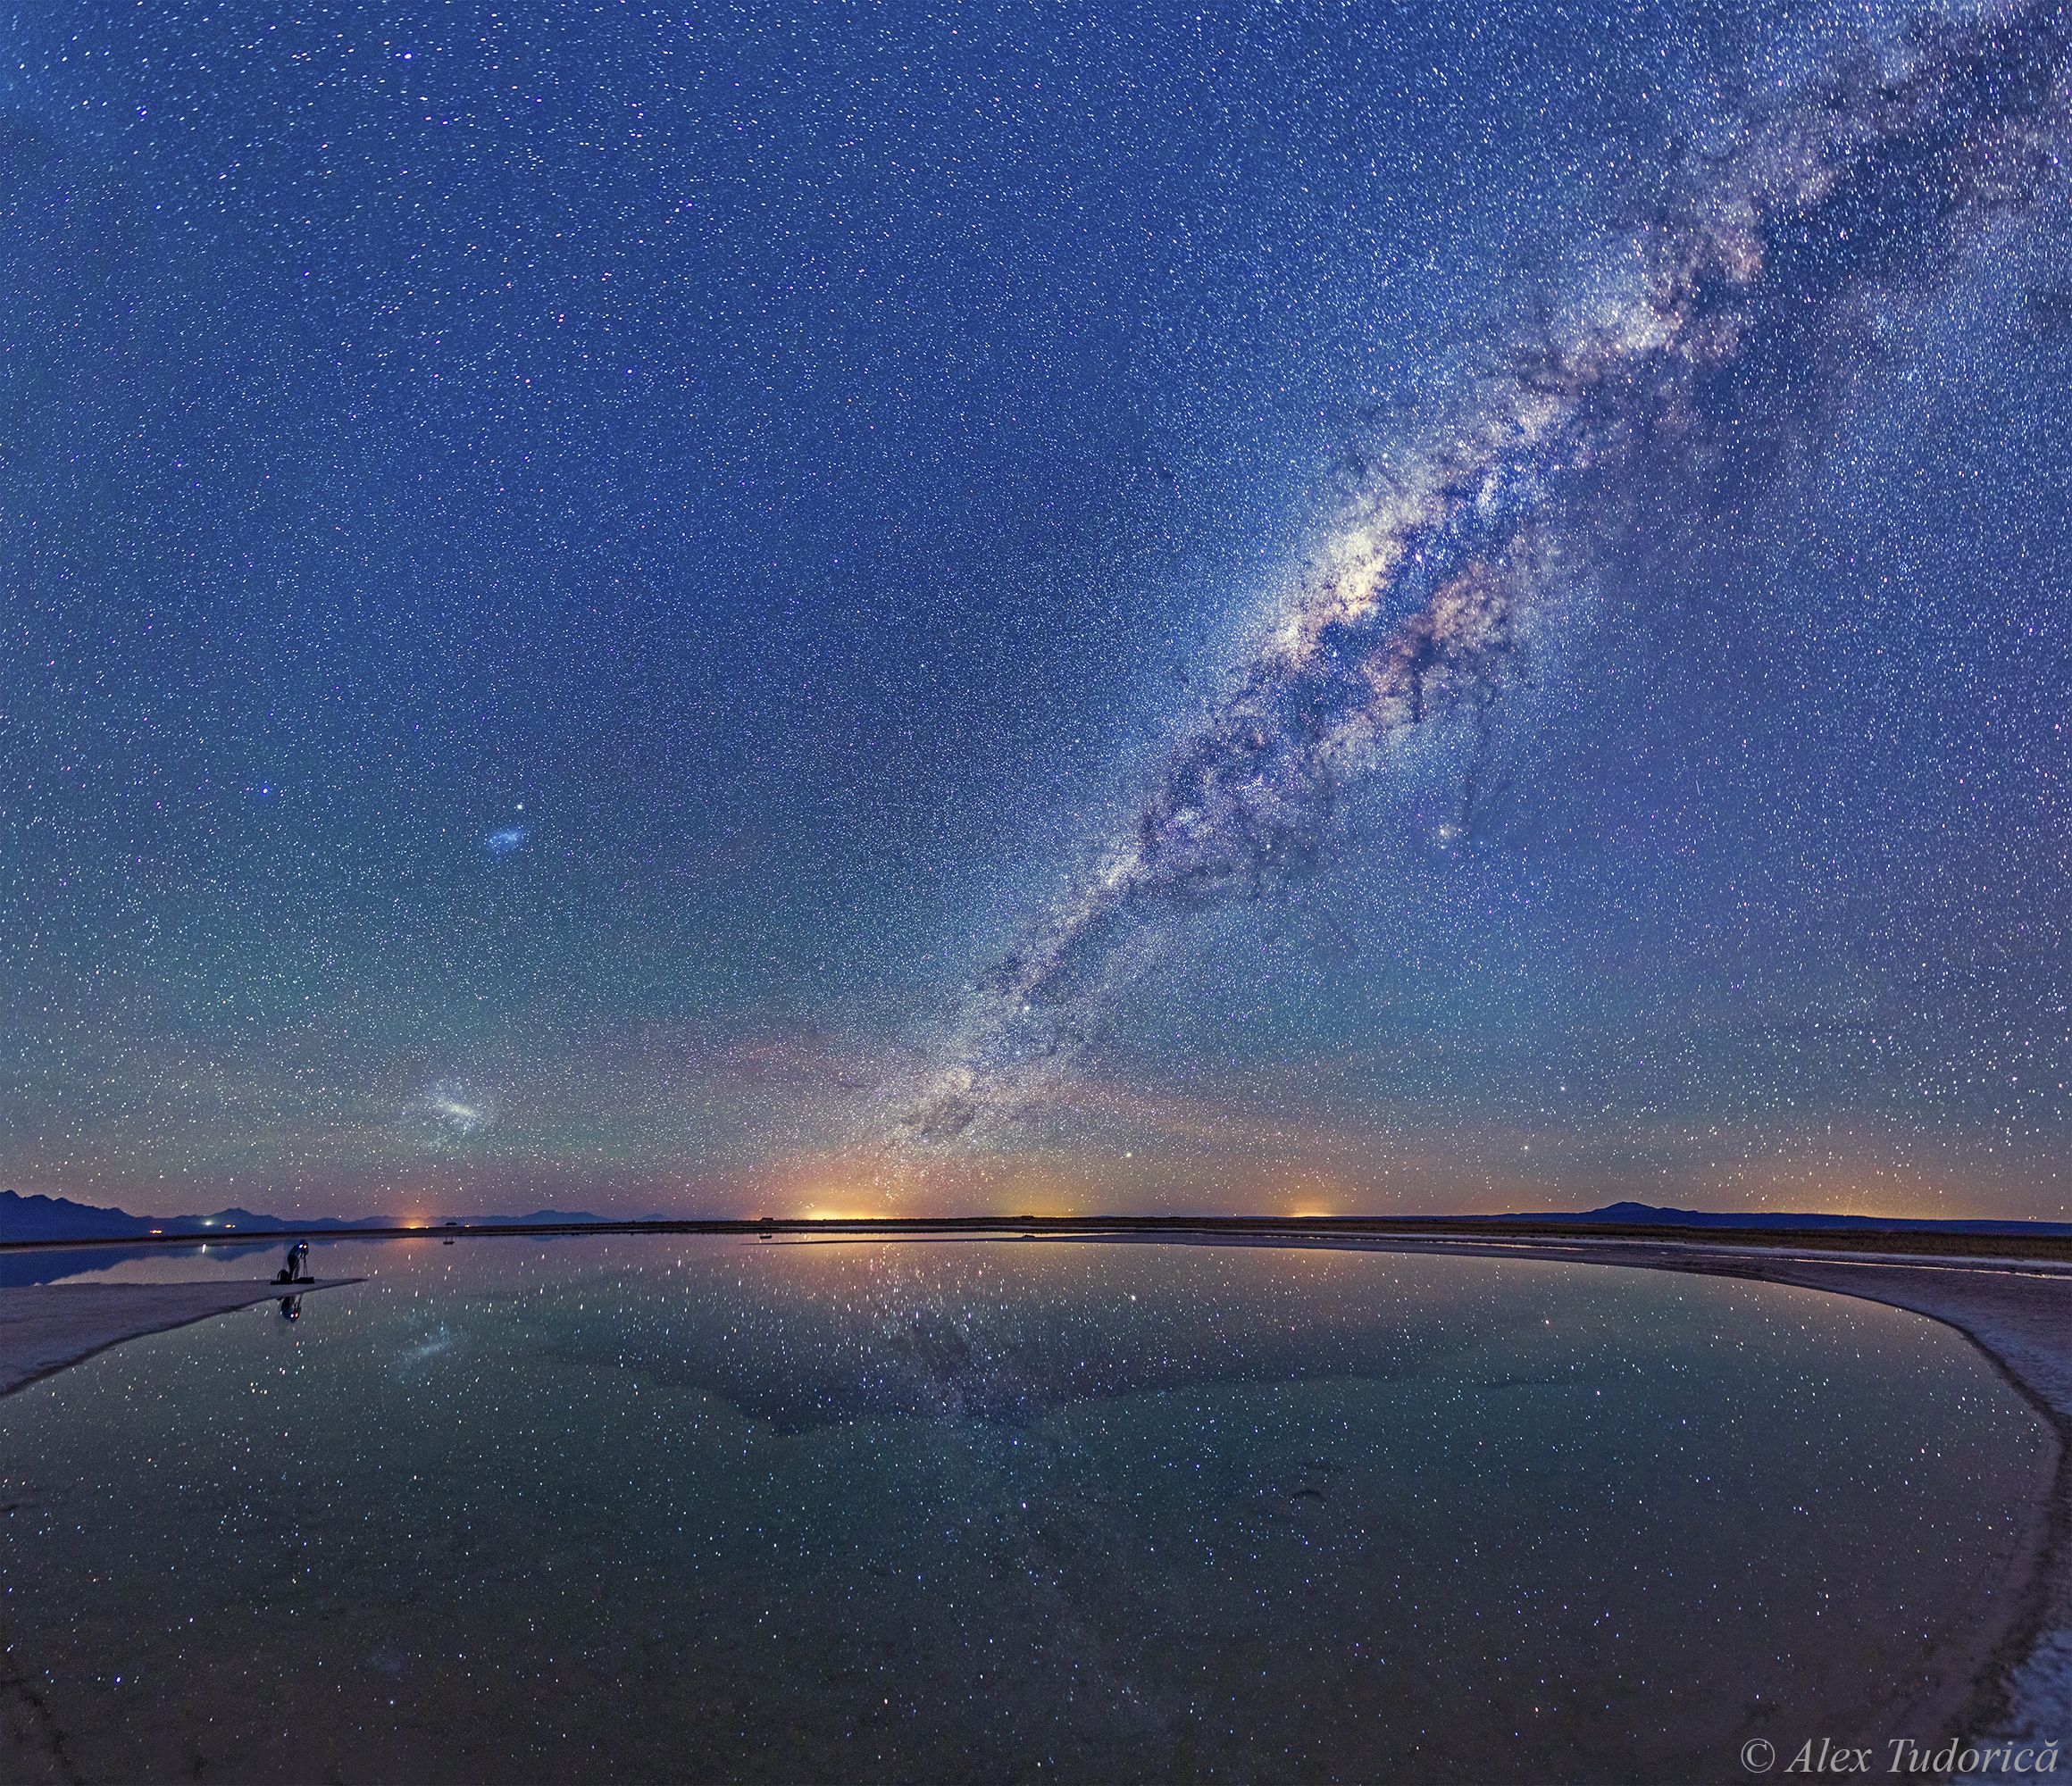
(250, 1221)
(58, 1218)
(1637, 1215)
(36, 1217)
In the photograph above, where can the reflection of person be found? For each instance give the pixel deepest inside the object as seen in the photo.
(291, 1308)
(294, 1270)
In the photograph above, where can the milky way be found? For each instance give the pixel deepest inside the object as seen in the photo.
(591, 615)
(1868, 181)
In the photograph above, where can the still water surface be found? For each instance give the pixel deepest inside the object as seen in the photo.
(713, 1509)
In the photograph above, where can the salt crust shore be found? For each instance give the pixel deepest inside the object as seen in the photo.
(2010, 1678)
(45, 1327)
(2018, 1685)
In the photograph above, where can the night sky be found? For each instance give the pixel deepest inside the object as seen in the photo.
(765, 608)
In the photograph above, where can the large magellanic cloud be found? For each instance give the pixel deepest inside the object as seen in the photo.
(1868, 179)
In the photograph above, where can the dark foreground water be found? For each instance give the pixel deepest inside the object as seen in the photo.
(705, 1509)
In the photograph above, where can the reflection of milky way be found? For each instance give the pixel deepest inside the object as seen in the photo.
(883, 1336)
(1867, 179)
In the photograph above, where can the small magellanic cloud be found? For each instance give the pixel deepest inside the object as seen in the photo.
(503, 842)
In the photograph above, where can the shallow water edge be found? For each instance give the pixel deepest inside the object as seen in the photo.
(1997, 1675)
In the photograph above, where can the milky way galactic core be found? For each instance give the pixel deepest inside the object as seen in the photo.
(1870, 181)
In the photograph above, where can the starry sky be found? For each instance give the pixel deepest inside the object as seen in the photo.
(777, 607)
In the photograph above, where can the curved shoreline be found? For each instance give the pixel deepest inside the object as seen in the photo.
(2021, 1322)
(2010, 1676)
(2013, 1677)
